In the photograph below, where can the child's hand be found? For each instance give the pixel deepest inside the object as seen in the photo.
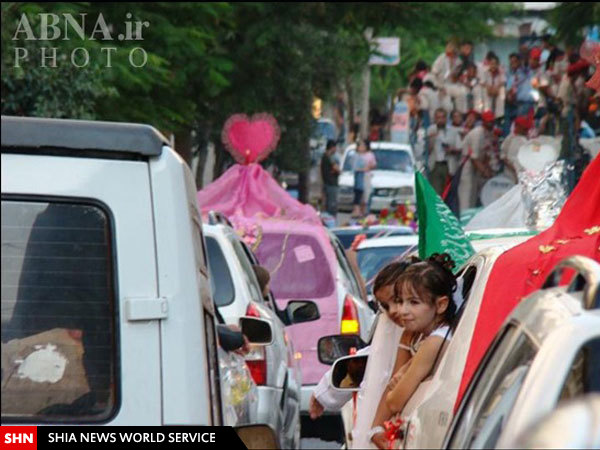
(380, 440)
(315, 408)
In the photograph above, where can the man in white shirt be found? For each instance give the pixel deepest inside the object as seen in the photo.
(444, 150)
(494, 87)
(478, 150)
(511, 145)
(445, 65)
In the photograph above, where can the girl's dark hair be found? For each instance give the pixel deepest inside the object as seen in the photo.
(431, 279)
(390, 273)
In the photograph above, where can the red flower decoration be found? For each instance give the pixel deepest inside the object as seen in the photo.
(393, 431)
(384, 213)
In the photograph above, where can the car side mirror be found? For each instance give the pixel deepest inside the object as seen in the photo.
(300, 311)
(348, 372)
(258, 331)
(331, 348)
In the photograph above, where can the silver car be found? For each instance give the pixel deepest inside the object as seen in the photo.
(237, 294)
(547, 352)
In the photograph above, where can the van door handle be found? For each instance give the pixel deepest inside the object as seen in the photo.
(137, 309)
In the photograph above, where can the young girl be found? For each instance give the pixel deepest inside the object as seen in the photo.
(424, 304)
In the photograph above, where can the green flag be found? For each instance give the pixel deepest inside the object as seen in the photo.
(439, 230)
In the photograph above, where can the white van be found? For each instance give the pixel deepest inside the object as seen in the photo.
(107, 315)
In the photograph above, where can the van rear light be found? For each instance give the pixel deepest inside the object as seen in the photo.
(258, 371)
(350, 323)
(256, 360)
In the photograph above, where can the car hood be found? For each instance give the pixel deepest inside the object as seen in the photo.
(381, 179)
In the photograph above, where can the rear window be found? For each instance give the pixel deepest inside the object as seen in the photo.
(220, 277)
(298, 266)
(372, 260)
(58, 313)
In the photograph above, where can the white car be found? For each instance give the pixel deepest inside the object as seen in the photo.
(503, 237)
(393, 180)
(236, 292)
(547, 352)
(107, 315)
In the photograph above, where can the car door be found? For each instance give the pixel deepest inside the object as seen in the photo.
(83, 228)
(494, 391)
(352, 287)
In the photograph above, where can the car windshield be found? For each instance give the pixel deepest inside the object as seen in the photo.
(292, 260)
(372, 260)
(398, 160)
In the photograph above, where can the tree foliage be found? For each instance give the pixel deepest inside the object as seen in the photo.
(570, 18)
(207, 61)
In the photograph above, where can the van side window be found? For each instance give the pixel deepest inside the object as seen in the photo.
(223, 291)
(58, 313)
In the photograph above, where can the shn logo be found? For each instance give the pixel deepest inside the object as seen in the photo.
(18, 438)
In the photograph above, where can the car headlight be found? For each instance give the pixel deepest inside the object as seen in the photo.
(404, 191)
(383, 192)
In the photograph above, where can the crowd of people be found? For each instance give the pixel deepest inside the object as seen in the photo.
(470, 118)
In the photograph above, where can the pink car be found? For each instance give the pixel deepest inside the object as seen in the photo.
(307, 262)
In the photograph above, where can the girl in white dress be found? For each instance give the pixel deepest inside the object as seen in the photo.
(424, 304)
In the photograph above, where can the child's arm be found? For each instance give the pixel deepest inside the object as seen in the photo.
(383, 412)
(418, 370)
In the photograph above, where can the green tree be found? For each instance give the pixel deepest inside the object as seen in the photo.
(570, 18)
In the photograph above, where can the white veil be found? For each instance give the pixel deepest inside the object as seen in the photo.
(382, 356)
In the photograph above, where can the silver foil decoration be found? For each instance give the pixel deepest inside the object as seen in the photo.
(544, 194)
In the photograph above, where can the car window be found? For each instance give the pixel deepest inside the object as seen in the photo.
(397, 160)
(59, 339)
(292, 259)
(372, 260)
(220, 276)
(248, 272)
(495, 390)
(347, 271)
(583, 376)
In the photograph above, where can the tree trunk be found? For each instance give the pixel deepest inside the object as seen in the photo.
(183, 145)
(351, 110)
(220, 159)
(303, 186)
(202, 142)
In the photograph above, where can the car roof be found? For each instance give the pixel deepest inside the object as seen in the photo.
(353, 229)
(28, 133)
(505, 238)
(383, 145)
(389, 241)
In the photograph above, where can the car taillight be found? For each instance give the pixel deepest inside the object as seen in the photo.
(252, 311)
(350, 323)
(256, 360)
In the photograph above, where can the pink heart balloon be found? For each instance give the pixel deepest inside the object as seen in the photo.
(250, 140)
